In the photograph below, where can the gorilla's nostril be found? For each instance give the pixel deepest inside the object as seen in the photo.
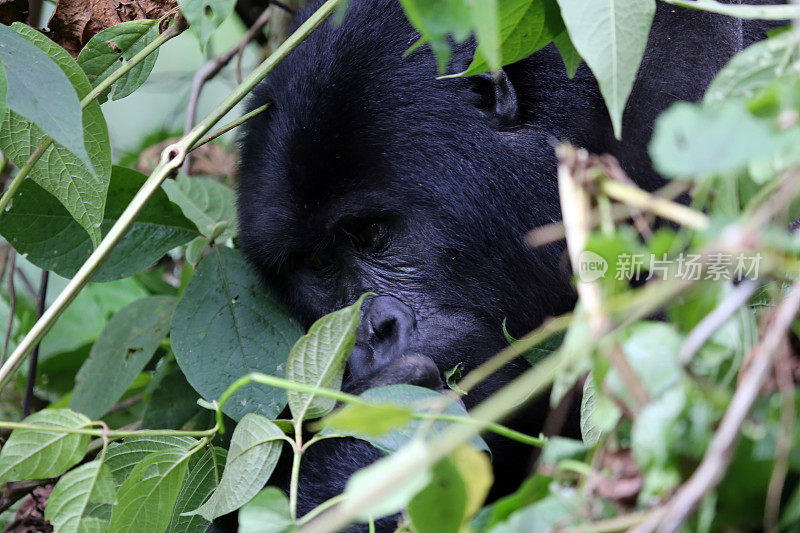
(384, 329)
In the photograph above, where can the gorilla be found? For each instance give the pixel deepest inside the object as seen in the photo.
(367, 173)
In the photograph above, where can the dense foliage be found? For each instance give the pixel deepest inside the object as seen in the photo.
(162, 367)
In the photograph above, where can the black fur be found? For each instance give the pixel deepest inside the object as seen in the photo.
(360, 139)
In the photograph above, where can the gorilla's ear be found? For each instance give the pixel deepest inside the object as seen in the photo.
(498, 98)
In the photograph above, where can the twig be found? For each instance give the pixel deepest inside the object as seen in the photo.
(719, 453)
(124, 404)
(769, 12)
(662, 207)
(716, 319)
(783, 444)
(257, 26)
(30, 382)
(16, 490)
(229, 126)
(12, 303)
(211, 69)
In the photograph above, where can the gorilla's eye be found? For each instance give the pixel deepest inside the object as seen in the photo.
(315, 262)
(369, 234)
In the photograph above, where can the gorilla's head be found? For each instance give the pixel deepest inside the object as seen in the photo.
(367, 173)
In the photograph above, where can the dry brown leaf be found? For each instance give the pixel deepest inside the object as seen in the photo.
(13, 11)
(74, 22)
(30, 517)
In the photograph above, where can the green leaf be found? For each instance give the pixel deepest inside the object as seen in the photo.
(611, 36)
(268, 512)
(85, 318)
(436, 20)
(205, 16)
(69, 503)
(572, 59)
(254, 452)
(206, 202)
(453, 376)
(81, 187)
(3, 89)
(122, 350)
(754, 68)
(227, 325)
(440, 507)
(525, 26)
(405, 467)
(372, 420)
(173, 404)
(554, 512)
(145, 500)
(40, 91)
(121, 458)
(205, 471)
(35, 454)
(39, 227)
(318, 359)
(108, 50)
(693, 141)
(652, 350)
(599, 414)
(419, 399)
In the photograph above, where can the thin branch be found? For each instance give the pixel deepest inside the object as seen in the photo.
(30, 382)
(752, 12)
(783, 444)
(662, 207)
(716, 319)
(720, 452)
(257, 26)
(229, 126)
(12, 303)
(210, 70)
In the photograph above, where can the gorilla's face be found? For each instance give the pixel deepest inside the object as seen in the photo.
(369, 174)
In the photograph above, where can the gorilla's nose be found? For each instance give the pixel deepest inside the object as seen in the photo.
(384, 334)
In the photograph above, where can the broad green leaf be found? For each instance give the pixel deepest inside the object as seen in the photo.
(206, 202)
(122, 457)
(205, 16)
(525, 26)
(34, 454)
(173, 404)
(440, 507)
(79, 186)
(205, 471)
(227, 325)
(373, 420)
(318, 359)
(39, 227)
(121, 351)
(652, 350)
(458, 488)
(69, 503)
(693, 141)
(599, 414)
(486, 22)
(253, 455)
(3, 90)
(268, 512)
(754, 68)
(436, 20)
(554, 512)
(85, 318)
(108, 50)
(532, 489)
(145, 500)
(572, 59)
(40, 91)
(410, 396)
(407, 468)
(611, 36)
